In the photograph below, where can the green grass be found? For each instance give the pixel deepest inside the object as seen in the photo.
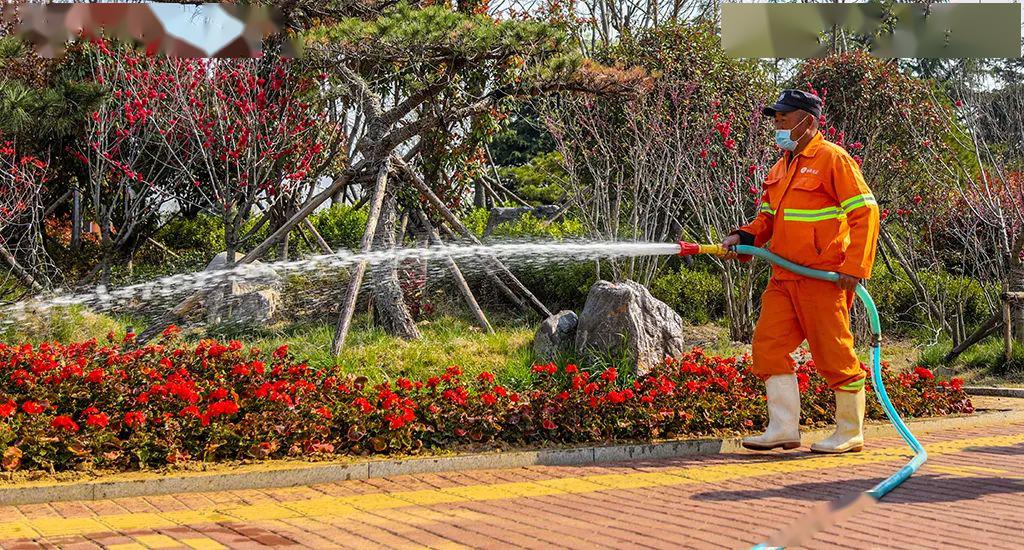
(447, 341)
(983, 364)
(65, 324)
(369, 351)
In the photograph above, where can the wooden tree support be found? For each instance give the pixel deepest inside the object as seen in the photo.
(984, 331)
(22, 275)
(348, 307)
(454, 222)
(460, 281)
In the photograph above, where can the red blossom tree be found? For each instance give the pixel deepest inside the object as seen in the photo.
(21, 183)
(235, 138)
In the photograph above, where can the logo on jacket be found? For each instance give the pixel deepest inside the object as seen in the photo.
(806, 170)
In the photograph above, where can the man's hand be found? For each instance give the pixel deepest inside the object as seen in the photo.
(728, 243)
(847, 282)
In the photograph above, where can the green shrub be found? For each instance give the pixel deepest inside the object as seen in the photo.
(561, 285)
(341, 226)
(204, 232)
(476, 221)
(529, 226)
(698, 296)
(538, 181)
(903, 313)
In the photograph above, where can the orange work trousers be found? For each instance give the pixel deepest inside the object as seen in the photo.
(818, 311)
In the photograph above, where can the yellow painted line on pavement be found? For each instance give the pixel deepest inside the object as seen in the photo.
(203, 544)
(334, 508)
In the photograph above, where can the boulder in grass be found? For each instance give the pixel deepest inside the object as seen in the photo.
(625, 320)
(250, 297)
(555, 336)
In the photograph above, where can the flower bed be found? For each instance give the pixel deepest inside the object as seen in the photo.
(123, 406)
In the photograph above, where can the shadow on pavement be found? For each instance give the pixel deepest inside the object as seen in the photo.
(1007, 450)
(921, 488)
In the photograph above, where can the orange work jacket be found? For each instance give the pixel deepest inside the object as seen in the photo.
(817, 211)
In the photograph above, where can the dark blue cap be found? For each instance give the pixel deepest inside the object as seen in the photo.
(791, 100)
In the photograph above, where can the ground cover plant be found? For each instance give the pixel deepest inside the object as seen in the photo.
(119, 405)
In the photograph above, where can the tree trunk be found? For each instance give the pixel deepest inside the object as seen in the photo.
(392, 313)
(76, 220)
(1016, 284)
(479, 196)
(348, 307)
(460, 281)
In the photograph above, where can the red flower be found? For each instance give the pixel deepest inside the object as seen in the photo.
(571, 369)
(95, 376)
(609, 374)
(221, 408)
(31, 407)
(488, 398)
(324, 412)
(923, 373)
(63, 422)
(99, 420)
(957, 384)
(218, 394)
(171, 331)
(363, 405)
(281, 352)
(8, 408)
(548, 424)
(485, 377)
(135, 419)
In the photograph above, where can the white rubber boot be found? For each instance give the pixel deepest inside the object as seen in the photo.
(783, 415)
(849, 434)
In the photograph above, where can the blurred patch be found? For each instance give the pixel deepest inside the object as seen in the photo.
(176, 30)
(899, 30)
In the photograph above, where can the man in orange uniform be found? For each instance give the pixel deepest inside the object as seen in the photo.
(816, 211)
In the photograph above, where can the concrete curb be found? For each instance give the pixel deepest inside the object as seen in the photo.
(271, 475)
(995, 392)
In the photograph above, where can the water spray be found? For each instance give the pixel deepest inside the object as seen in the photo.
(794, 534)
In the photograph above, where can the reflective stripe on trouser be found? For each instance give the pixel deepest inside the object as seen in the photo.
(818, 311)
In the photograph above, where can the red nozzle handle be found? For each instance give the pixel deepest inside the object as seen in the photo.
(688, 249)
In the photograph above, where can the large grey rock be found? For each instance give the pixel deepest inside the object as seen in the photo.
(251, 296)
(625, 320)
(239, 303)
(499, 216)
(556, 335)
(219, 261)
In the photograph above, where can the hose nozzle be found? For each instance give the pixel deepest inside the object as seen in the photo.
(690, 249)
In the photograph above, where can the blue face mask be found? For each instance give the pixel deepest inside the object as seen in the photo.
(785, 141)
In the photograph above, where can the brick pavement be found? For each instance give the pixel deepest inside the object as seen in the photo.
(970, 494)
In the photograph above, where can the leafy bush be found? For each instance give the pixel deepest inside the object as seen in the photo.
(124, 406)
(697, 296)
(540, 181)
(904, 314)
(529, 226)
(341, 226)
(476, 221)
(204, 232)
